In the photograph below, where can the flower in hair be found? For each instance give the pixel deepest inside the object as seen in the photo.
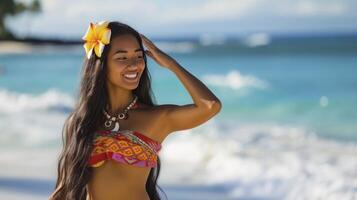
(96, 37)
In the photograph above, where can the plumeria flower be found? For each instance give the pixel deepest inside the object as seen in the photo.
(97, 36)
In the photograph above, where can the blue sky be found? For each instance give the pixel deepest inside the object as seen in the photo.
(69, 19)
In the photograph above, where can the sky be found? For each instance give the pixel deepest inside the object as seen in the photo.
(176, 18)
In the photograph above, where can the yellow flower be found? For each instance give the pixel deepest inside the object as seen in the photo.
(96, 37)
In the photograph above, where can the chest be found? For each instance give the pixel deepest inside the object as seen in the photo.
(145, 121)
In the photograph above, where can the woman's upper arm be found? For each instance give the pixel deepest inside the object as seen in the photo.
(181, 117)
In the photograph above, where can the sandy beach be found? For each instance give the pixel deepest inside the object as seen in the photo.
(14, 47)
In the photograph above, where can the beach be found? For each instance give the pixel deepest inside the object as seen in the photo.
(14, 47)
(286, 129)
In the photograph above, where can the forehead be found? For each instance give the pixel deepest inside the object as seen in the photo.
(125, 42)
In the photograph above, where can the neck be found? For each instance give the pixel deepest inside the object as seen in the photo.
(119, 99)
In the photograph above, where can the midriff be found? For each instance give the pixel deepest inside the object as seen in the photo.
(116, 181)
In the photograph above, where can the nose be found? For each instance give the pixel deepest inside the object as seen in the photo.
(132, 64)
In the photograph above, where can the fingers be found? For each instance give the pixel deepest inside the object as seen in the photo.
(143, 37)
(149, 53)
(147, 41)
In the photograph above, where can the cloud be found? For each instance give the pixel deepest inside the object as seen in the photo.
(315, 8)
(209, 10)
(70, 18)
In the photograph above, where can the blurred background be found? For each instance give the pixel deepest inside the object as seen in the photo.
(285, 71)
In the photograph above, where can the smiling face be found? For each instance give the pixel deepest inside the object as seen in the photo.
(125, 62)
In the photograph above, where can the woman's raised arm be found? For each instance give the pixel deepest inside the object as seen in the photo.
(180, 117)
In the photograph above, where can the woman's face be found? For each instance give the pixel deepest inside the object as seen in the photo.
(125, 60)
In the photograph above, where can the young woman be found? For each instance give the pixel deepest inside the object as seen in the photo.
(113, 136)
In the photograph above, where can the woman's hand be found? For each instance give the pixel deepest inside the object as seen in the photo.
(155, 53)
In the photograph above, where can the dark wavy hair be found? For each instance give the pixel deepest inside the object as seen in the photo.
(73, 174)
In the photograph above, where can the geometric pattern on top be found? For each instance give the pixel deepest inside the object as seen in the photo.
(124, 146)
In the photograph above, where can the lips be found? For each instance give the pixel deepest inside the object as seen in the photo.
(131, 76)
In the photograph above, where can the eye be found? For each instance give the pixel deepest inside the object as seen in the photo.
(122, 58)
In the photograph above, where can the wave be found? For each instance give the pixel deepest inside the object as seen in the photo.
(261, 161)
(32, 120)
(207, 39)
(20, 102)
(177, 47)
(235, 80)
(257, 39)
(250, 161)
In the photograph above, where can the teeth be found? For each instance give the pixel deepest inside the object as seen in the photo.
(131, 75)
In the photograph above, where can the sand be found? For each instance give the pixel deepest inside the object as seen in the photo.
(14, 47)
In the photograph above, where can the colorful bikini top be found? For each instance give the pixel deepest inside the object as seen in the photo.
(124, 146)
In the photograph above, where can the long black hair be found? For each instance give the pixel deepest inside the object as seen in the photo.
(73, 173)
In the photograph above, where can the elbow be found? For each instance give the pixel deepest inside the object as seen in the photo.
(215, 106)
(210, 106)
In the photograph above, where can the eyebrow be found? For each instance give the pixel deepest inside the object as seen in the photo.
(124, 51)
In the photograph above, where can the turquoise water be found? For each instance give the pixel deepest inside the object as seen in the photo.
(287, 128)
(310, 82)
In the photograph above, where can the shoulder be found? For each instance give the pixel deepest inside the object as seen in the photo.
(155, 112)
(156, 109)
(156, 116)
(169, 118)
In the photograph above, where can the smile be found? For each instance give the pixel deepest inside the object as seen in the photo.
(131, 76)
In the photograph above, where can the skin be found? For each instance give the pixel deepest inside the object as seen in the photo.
(118, 64)
(113, 181)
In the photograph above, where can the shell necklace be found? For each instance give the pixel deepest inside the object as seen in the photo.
(112, 122)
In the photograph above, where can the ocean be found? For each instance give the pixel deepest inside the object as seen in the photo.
(287, 128)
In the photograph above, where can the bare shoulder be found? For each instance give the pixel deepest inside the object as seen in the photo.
(153, 118)
(160, 114)
(160, 117)
(153, 111)
(168, 118)
(157, 110)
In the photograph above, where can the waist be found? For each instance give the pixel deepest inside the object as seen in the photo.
(114, 188)
(116, 192)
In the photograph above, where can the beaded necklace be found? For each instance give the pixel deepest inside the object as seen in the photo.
(112, 122)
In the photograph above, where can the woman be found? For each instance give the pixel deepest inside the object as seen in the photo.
(112, 137)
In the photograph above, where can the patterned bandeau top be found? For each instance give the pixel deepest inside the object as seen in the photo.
(124, 146)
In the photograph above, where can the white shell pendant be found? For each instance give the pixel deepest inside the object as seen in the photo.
(116, 127)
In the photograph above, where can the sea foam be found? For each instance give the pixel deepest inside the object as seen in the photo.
(257, 160)
(234, 79)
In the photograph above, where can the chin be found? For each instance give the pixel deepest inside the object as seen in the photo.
(132, 87)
